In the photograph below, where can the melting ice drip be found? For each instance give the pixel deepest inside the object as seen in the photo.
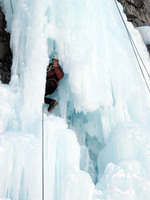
(102, 99)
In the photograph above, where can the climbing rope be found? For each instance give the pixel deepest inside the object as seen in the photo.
(135, 49)
(11, 6)
(43, 186)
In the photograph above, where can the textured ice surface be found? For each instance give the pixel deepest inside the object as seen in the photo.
(103, 99)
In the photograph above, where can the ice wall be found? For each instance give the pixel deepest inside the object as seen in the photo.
(63, 178)
(20, 155)
(21, 119)
(145, 32)
(20, 166)
(29, 60)
(102, 97)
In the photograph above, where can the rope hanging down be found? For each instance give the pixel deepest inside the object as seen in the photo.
(43, 186)
(135, 49)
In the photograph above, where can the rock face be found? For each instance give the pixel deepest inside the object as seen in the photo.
(137, 11)
(5, 52)
(148, 47)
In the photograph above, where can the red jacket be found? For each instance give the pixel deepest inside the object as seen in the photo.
(54, 73)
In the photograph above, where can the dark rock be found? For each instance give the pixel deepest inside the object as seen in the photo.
(137, 11)
(2, 51)
(2, 20)
(5, 52)
(148, 47)
(136, 3)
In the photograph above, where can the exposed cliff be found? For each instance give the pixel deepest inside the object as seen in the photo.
(5, 51)
(137, 11)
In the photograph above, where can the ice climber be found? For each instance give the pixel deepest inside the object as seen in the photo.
(54, 75)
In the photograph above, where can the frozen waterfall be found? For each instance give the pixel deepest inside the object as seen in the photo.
(97, 140)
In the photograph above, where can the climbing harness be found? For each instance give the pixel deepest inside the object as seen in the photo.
(43, 174)
(137, 54)
(11, 6)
